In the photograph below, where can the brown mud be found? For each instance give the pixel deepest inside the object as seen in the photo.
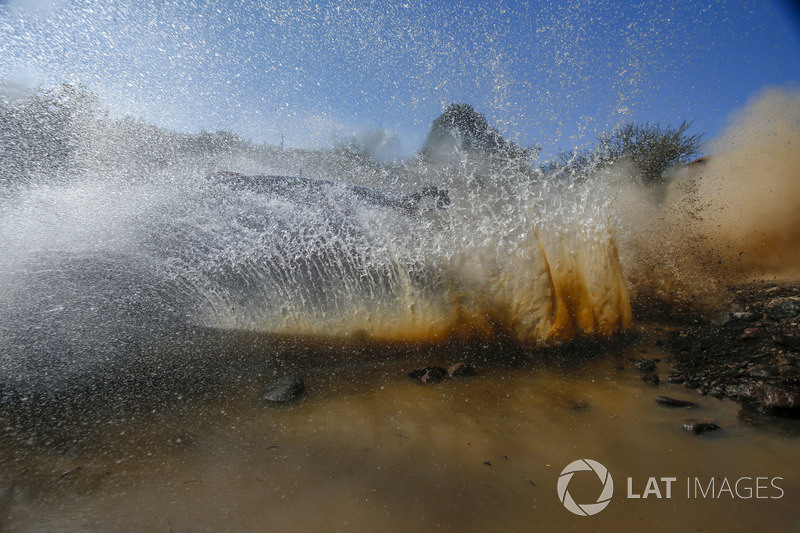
(367, 448)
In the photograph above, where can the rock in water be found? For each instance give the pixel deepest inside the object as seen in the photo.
(645, 365)
(430, 375)
(434, 376)
(461, 370)
(672, 402)
(579, 405)
(283, 390)
(769, 398)
(651, 379)
(697, 428)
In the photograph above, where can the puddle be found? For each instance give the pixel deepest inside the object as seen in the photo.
(369, 449)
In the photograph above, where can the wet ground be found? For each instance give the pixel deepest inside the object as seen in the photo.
(368, 449)
(749, 351)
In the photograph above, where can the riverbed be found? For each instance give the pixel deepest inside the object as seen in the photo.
(368, 449)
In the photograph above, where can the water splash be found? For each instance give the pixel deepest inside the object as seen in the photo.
(105, 265)
(516, 258)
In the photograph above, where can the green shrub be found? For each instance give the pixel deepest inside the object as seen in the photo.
(650, 148)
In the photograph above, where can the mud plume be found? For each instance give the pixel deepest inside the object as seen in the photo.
(751, 186)
(729, 217)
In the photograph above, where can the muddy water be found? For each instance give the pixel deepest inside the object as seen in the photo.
(369, 450)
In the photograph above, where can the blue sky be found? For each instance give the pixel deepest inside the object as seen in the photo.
(552, 74)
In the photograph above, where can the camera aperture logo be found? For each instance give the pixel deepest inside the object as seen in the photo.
(585, 509)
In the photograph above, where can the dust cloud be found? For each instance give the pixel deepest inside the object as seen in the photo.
(730, 217)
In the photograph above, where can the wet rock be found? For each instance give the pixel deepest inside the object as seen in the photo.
(579, 405)
(434, 376)
(763, 371)
(283, 390)
(461, 370)
(754, 358)
(790, 342)
(672, 402)
(651, 379)
(645, 365)
(721, 318)
(750, 333)
(768, 397)
(417, 373)
(724, 317)
(732, 391)
(429, 375)
(695, 427)
(779, 308)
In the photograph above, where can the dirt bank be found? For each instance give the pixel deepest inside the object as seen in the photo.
(749, 352)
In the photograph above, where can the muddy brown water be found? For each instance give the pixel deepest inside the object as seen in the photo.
(367, 449)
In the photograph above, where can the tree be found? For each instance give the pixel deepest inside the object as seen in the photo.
(651, 148)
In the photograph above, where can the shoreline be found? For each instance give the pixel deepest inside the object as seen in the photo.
(748, 352)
